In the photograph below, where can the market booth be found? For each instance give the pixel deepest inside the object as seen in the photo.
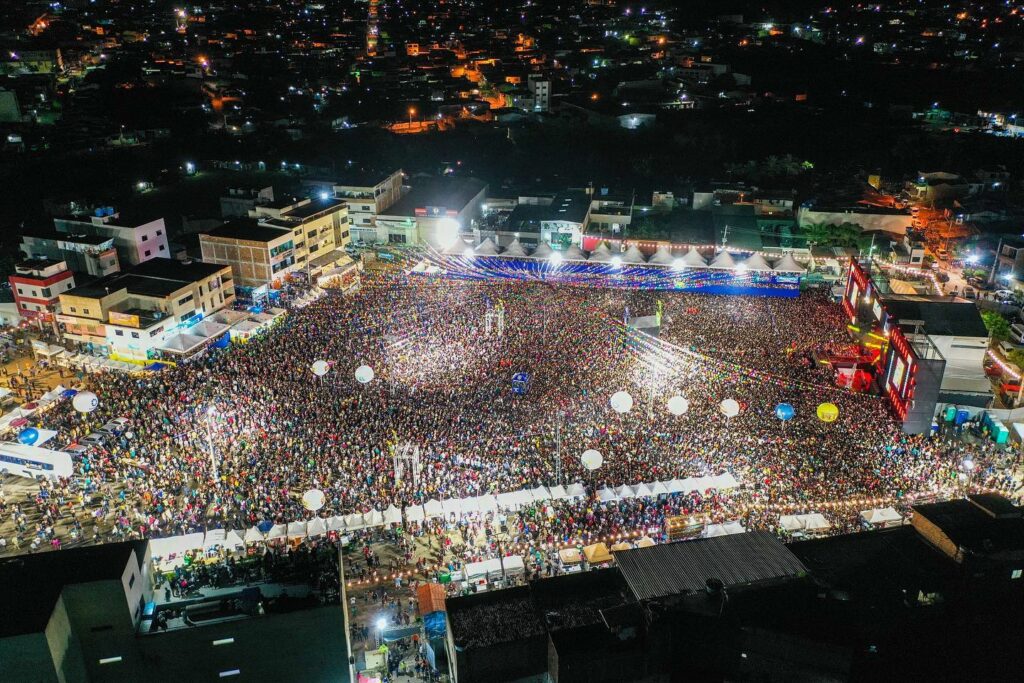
(882, 517)
(597, 554)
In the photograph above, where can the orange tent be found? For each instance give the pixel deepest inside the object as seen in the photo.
(430, 598)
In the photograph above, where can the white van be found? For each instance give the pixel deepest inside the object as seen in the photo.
(1017, 333)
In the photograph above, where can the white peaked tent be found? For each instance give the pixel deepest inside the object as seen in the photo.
(469, 505)
(487, 248)
(881, 517)
(573, 253)
(488, 503)
(633, 255)
(643, 491)
(433, 508)
(392, 515)
(601, 255)
(788, 264)
(296, 530)
(540, 493)
(415, 513)
(451, 506)
(354, 522)
(723, 261)
(514, 249)
(277, 531)
(558, 492)
(662, 257)
(693, 259)
(625, 491)
(374, 518)
(336, 523)
(253, 535)
(458, 248)
(659, 487)
(542, 251)
(756, 262)
(607, 495)
(316, 527)
(726, 529)
(576, 491)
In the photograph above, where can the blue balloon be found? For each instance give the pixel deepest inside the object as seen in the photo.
(784, 412)
(28, 436)
(68, 393)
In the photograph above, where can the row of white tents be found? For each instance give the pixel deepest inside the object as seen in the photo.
(720, 482)
(177, 546)
(722, 260)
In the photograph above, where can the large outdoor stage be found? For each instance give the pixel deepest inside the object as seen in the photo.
(735, 281)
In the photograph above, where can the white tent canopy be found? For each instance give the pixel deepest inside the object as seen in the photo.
(662, 257)
(487, 248)
(633, 255)
(607, 495)
(433, 508)
(392, 515)
(336, 523)
(542, 251)
(624, 492)
(451, 506)
(693, 259)
(726, 529)
(253, 535)
(812, 522)
(576, 490)
(277, 531)
(756, 262)
(881, 516)
(374, 518)
(558, 492)
(296, 530)
(724, 261)
(540, 493)
(354, 522)
(415, 513)
(788, 264)
(573, 253)
(316, 527)
(601, 255)
(515, 249)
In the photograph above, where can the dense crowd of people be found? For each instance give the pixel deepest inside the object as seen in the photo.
(442, 383)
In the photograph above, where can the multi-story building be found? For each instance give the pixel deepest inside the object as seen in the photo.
(136, 240)
(37, 285)
(540, 89)
(136, 315)
(296, 238)
(427, 214)
(368, 195)
(91, 255)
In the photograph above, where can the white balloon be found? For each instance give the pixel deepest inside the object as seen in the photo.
(622, 402)
(85, 402)
(677, 405)
(591, 459)
(730, 407)
(320, 368)
(364, 374)
(313, 499)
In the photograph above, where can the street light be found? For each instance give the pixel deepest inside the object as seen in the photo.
(210, 413)
(412, 112)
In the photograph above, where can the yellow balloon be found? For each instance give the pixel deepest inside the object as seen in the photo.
(828, 412)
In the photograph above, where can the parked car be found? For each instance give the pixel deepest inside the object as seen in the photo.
(117, 426)
(979, 283)
(77, 449)
(970, 293)
(97, 439)
(1003, 296)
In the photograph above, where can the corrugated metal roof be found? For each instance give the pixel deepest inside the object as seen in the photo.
(684, 567)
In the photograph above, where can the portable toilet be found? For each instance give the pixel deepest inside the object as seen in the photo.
(950, 413)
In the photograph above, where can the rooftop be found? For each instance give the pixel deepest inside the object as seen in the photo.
(32, 583)
(973, 527)
(247, 229)
(313, 207)
(685, 567)
(449, 193)
(940, 316)
(363, 177)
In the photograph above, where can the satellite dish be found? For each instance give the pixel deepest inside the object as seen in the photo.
(621, 402)
(591, 459)
(677, 405)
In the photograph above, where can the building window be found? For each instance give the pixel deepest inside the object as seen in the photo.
(148, 252)
(155, 332)
(145, 238)
(159, 232)
(20, 290)
(119, 333)
(1016, 573)
(135, 335)
(85, 311)
(162, 247)
(74, 310)
(46, 292)
(185, 300)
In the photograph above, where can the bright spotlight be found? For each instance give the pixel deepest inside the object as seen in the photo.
(325, 195)
(381, 624)
(678, 264)
(741, 268)
(448, 232)
(555, 258)
(616, 261)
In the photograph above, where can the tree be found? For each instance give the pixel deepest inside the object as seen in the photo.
(998, 326)
(1016, 357)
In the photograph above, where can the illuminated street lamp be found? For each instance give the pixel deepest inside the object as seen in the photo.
(412, 112)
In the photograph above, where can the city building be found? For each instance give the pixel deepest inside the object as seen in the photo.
(285, 239)
(37, 285)
(136, 240)
(242, 201)
(429, 212)
(367, 195)
(91, 255)
(151, 310)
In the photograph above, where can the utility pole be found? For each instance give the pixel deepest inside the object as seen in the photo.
(995, 262)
